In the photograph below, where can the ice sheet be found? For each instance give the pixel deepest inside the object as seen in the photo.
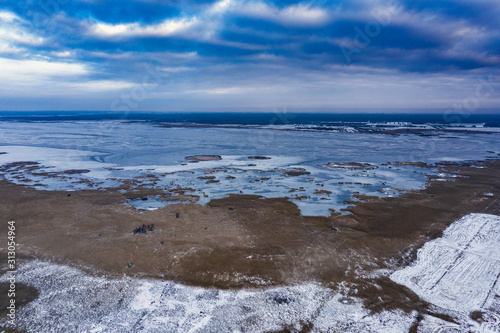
(115, 151)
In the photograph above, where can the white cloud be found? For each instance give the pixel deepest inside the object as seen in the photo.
(176, 69)
(225, 91)
(37, 78)
(165, 56)
(7, 48)
(63, 54)
(200, 26)
(14, 34)
(303, 15)
(221, 6)
(18, 36)
(163, 29)
(101, 85)
(428, 22)
(44, 78)
(205, 24)
(8, 17)
(35, 69)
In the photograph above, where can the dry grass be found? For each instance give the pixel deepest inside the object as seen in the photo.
(306, 327)
(383, 294)
(414, 327)
(477, 316)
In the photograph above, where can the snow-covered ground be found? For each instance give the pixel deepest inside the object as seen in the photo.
(460, 271)
(72, 301)
(457, 274)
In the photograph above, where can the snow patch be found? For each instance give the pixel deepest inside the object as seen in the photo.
(460, 270)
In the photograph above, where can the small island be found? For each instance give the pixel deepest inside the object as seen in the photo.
(199, 158)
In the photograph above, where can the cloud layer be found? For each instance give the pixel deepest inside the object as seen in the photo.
(247, 55)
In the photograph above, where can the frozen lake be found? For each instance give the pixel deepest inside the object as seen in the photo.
(76, 155)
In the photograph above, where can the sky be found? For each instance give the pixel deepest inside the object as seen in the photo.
(239, 55)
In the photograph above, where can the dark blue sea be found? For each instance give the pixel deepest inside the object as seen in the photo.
(238, 118)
